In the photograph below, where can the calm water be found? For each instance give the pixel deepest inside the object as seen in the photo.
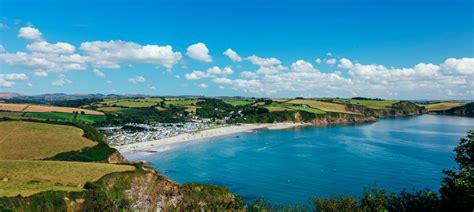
(289, 166)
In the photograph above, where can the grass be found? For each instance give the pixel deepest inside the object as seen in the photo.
(374, 104)
(183, 102)
(30, 140)
(110, 109)
(23, 177)
(238, 102)
(66, 117)
(307, 109)
(442, 106)
(130, 102)
(12, 107)
(325, 106)
(191, 109)
(13, 115)
(279, 106)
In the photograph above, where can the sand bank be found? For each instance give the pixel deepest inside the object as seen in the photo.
(159, 144)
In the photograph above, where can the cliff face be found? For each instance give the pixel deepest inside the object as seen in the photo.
(402, 108)
(330, 119)
(465, 110)
(141, 190)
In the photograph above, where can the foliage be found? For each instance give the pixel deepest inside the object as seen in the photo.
(145, 115)
(457, 190)
(335, 204)
(213, 108)
(215, 198)
(73, 117)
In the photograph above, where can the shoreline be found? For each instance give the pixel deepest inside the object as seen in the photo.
(156, 145)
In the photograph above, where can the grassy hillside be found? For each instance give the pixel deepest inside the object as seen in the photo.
(442, 106)
(325, 106)
(87, 118)
(30, 140)
(238, 102)
(26, 177)
(370, 103)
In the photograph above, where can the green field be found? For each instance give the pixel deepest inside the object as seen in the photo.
(374, 104)
(280, 106)
(324, 106)
(238, 102)
(23, 177)
(442, 106)
(30, 140)
(12, 115)
(182, 102)
(66, 117)
(130, 102)
(307, 109)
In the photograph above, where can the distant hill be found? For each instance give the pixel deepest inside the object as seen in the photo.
(464, 110)
(8, 95)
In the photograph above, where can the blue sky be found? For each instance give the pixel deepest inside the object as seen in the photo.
(396, 49)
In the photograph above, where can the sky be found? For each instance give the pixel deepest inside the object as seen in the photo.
(405, 49)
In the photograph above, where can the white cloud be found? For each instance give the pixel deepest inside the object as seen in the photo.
(345, 63)
(210, 73)
(99, 73)
(110, 54)
(2, 49)
(222, 81)
(202, 85)
(256, 60)
(331, 61)
(318, 61)
(57, 48)
(218, 71)
(137, 79)
(267, 65)
(200, 52)
(329, 54)
(461, 66)
(248, 75)
(233, 55)
(195, 75)
(30, 33)
(15, 77)
(40, 73)
(45, 62)
(423, 80)
(61, 81)
(151, 87)
(10, 79)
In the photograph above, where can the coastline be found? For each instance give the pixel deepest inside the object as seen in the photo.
(155, 145)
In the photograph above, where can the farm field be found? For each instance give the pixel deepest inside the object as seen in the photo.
(87, 118)
(238, 102)
(23, 177)
(130, 102)
(374, 104)
(44, 109)
(442, 106)
(12, 107)
(325, 106)
(182, 102)
(30, 140)
(279, 106)
(13, 115)
(307, 109)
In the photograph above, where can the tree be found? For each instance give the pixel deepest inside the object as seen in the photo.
(457, 189)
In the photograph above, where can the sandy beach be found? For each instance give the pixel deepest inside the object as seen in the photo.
(157, 145)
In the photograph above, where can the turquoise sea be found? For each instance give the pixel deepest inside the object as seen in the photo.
(290, 166)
